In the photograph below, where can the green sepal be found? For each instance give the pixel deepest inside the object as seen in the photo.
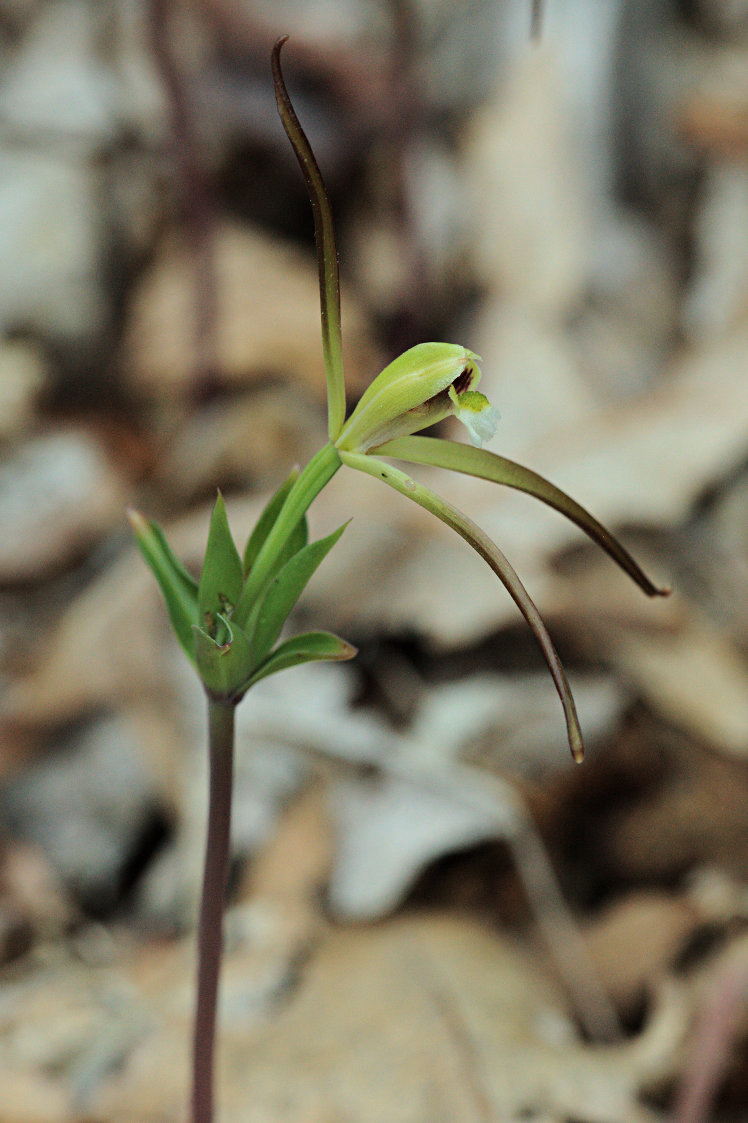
(224, 667)
(310, 647)
(284, 590)
(178, 587)
(223, 575)
(487, 465)
(490, 552)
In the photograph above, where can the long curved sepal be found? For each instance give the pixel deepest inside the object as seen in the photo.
(491, 554)
(327, 254)
(498, 469)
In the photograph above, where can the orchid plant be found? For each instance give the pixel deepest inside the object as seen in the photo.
(229, 622)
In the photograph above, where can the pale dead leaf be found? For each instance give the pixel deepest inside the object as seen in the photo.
(268, 317)
(695, 677)
(634, 941)
(412, 1022)
(533, 239)
(59, 494)
(389, 829)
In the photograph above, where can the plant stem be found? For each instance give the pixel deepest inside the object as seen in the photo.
(210, 930)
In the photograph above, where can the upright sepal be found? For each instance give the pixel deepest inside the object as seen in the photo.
(327, 254)
(223, 574)
(178, 587)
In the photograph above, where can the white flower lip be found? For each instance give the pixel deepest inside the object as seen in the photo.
(476, 413)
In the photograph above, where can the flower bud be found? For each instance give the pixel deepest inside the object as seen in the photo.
(422, 386)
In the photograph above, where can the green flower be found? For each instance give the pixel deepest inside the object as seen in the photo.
(424, 385)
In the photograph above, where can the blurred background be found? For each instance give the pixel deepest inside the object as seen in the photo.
(434, 914)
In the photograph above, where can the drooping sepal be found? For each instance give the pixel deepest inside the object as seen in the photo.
(490, 552)
(488, 465)
(178, 587)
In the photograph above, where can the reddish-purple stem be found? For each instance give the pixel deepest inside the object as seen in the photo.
(210, 930)
(714, 1033)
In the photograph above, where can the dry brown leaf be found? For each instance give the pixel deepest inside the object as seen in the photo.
(695, 677)
(635, 941)
(268, 317)
(416, 1021)
(59, 494)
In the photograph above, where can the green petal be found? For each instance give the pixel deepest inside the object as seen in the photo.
(284, 591)
(488, 466)
(491, 554)
(224, 667)
(178, 587)
(411, 393)
(327, 254)
(311, 647)
(223, 574)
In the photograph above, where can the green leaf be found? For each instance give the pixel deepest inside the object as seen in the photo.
(285, 589)
(327, 254)
(266, 520)
(488, 466)
(491, 554)
(297, 541)
(178, 587)
(223, 575)
(275, 549)
(224, 666)
(308, 648)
